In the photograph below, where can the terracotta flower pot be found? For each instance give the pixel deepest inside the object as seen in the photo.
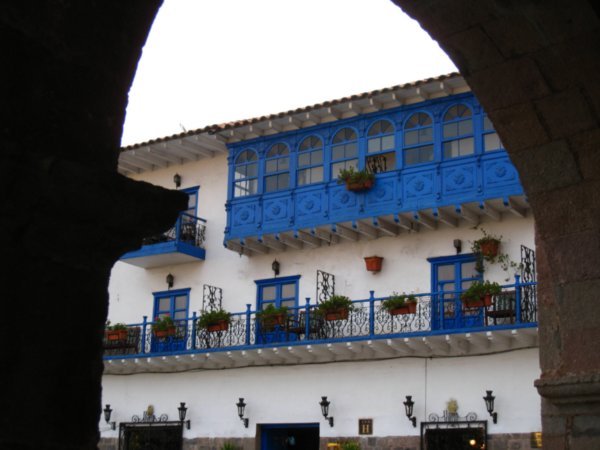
(484, 301)
(358, 187)
(409, 308)
(164, 333)
(489, 249)
(221, 325)
(373, 263)
(115, 335)
(337, 314)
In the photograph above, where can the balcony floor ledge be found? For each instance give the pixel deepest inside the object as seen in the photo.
(469, 343)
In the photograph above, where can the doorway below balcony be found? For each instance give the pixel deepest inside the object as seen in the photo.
(292, 436)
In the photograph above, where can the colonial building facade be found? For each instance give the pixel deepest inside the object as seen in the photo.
(271, 228)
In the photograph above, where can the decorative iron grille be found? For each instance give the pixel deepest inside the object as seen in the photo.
(529, 292)
(325, 286)
(212, 298)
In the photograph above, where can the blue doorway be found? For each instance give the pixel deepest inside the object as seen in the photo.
(291, 436)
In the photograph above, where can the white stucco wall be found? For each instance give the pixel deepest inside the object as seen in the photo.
(370, 389)
(405, 267)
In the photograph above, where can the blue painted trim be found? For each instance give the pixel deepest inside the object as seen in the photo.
(270, 426)
(182, 291)
(277, 280)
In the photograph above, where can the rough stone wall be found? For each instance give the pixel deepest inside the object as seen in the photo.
(534, 66)
(66, 214)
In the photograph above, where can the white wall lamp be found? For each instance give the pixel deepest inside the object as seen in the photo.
(489, 404)
(107, 412)
(241, 407)
(325, 410)
(408, 407)
(182, 412)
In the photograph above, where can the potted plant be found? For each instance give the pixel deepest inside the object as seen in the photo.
(216, 320)
(337, 307)
(373, 263)
(480, 294)
(356, 180)
(116, 332)
(272, 316)
(350, 445)
(228, 446)
(163, 326)
(397, 304)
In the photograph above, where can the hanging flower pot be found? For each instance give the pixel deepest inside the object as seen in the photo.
(373, 263)
(490, 248)
(359, 186)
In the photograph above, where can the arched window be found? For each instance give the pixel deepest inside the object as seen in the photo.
(418, 139)
(344, 151)
(246, 174)
(277, 168)
(381, 156)
(457, 134)
(310, 161)
(491, 140)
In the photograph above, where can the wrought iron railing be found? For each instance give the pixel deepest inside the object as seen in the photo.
(188, 229)
(436, 313)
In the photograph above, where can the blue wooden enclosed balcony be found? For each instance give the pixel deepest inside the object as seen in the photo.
(436, 163)
(182, 243)
(440, 325)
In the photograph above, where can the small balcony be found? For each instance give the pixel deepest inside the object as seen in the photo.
(183, 243)
(441, 325)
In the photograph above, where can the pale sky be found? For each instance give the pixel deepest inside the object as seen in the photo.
(214, 61)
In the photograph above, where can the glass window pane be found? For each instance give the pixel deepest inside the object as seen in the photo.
(181, 302)
(283, 181)
(288, 290)
(316, 157)
(411, 156)
(382, 163)
(289, 303)
(446, 272)
(284, 163)
(466, 146)
(465, 127)
(387, 142)
(271, 183)
(337, 152)
(271, 166)
(450, 130)
(252, 170)
(180, 315)
(351, 150)
(316, 174)
(374, 145)
(192, 201)
(426, 134)
(252, 186)
(303, 159)
(303, 177)
(240, 172)
(164, 304)
(491, 142)
(468, 270)
(487, 123)
(265, 304)
(451, 149)
(269, 293)
(411, 138)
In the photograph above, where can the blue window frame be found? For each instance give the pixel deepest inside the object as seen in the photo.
(457, 132)
(192, 208)
(310, 161)
(174, 304)
(246, 174)
(418, 139)
(344, 151)
(381, 143)
(449, 276)
(491, 140)
(277, 168)
(279, 292)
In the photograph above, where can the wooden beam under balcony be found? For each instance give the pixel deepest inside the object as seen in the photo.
(344, 232)
(512, 207)
(289, 241)
(255, 246)
(325, 236)
(403, 222)
(445, 218)
(365, 230)
(489, 211)
(467, 214)
(422, 219)
(307, 238)
(272, 243)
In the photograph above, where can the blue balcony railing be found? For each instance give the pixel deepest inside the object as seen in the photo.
(183, 242)
(436, 313)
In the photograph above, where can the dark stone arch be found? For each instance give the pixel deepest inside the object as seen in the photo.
(67, 215)
(534, 66)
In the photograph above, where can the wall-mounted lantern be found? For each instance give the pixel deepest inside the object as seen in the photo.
(177, 180)
(275, 266)
(408, 407)
(241, 407)
(182, 412)
(170, 280)
(489, 404)
(107, 412)
(457, 245)
(325, 410)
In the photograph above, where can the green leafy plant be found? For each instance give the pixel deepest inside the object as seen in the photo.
(353, 176)
(477, 290)
(163, 323)
(116, 327)
(350, 445)
(487, 248)
(271, 311)
(229, 446)
(208, 318)
(334, 303)
(396, 301)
